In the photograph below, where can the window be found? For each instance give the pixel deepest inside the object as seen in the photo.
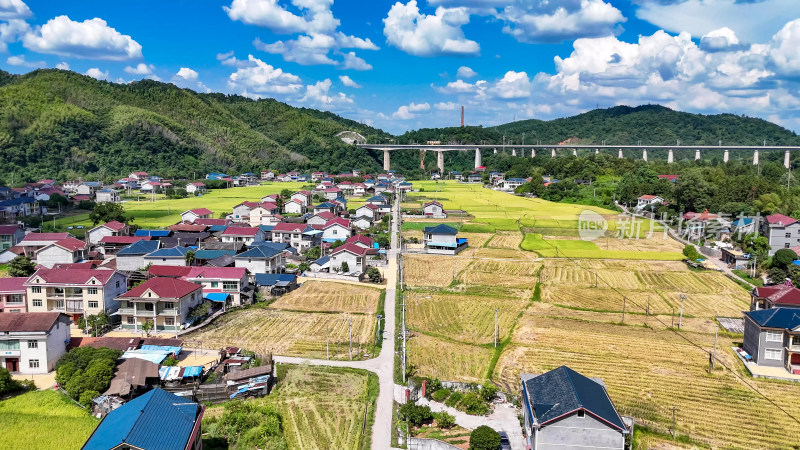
(14, 298)
(94, 304)
(59, 304)
(131, 320)
(37, 302)
(33, 344)
(170, 321)
(92, 291)
(214, 284)
(796, 341)
(581, 413)
(773, 353)
(169, 305)
(117, 283)
(148, 307)
(230, 286)
(774, 336)
(788, 235)
(9, 345)
(36, 289)
(33, 363)
(786, 245)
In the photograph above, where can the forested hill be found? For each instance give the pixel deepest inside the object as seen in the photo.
(648, 124)
(60, 124)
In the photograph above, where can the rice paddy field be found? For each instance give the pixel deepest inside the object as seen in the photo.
(43, 420)
(322, 407)
(296, 325)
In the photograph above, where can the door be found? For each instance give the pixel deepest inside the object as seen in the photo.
(12, 364)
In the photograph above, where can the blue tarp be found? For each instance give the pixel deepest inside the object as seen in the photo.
(192, 371)
(154, 356)
(460, 241)
(166, 348)
(796, 263)
(217, 296)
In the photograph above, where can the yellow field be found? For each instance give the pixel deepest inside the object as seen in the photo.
(463, 318)
(330, 297)
(494, 272)
(446, 360)
(506, 239)
(648, 371)
(288, 333)
(429, 270)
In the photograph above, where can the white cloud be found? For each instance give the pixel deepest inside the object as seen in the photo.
(408, 111)
(445, 106)
(187, 74)
(63, 65)
(465, 72)
(559, 20)
(723, 39)
(91, 39)
(347, 81)
(261, 78)
(785, 52)
(752, 21)
(318, 95)
(305, 50)
(96, 73)
(428, 35)
(21, 61)
(12, 31)
(351, 61)
(14, 9)
(140, 69)
(268, 14)
(513, 85)
(457, 87)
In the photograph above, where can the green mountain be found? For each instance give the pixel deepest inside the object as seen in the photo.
(59, 124)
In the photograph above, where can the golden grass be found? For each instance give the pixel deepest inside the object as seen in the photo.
(429, 270)
(506, 239)
(330, 297)
(445, 360)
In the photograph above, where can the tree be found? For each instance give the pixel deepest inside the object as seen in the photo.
(95, 323)
(415, 414)
(313, 253)
(484, 438)
(106, 212)
(444, 420)
(345, 267)
(21, 266)
(488, 391)
(784, 257)
(286, 193)
(189, 258)
(690, 252)
(147, 327)
(374, 274)
(7, 384)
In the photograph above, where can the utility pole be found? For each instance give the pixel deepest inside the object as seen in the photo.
(351, 338)
(327, 345)
(680, 319)
(403, 330)
(623, 309)
(495, 328)
(673, 423)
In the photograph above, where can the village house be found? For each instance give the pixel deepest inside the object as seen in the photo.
(294, 206)
(645, 201)
(775, 296)
(376, 200)
(112, 228)
(325, 206)
(443, 239)
(132, 256)
(349, 256)
(564, 409)
(361, 222)
(196, 188)
(108, 195)
(198, 213)
(172, 256)
(32, 242)
(163, 301)
(111, 245)
(65, 251)
(359, 189)
(781, 231)
(743, 226)
(261, 259)
(772, 337)
(303, 196)
(76, 292)
(336, 229)
(155, 420)
(139, 176)
(474, 178)
(267, 175)
(32, 343)
(13, 295)
(511, 184)
(320, 218)
(696, 225)
(434, 209)
(232, 281)
(88, 188)
(368, 210)
(246, 235)
(274, 284)
(298, 235)
(267, 213)
(10, 235)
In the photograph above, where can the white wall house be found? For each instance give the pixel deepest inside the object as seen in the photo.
(32, 343)
(76, 292)
(65, 251)
(336, 230)
(197, 213)
(261, 259)
(113, 228)
(132, 256)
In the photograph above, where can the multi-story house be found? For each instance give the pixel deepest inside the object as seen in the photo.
(65, 251)
(772, 338)
(232, 281)
(299, 235)
(112, 228)
(32, 343)
(108, 195)
(781, 231)
(10, 235)
(165, 302)
(303, 196)
(443, 239)
(12, 295)
(245, 235)
(32, 242)
(172, 256)
(261, 259)
(76, 292)
(351, 256)
(320, 218)
(132, 256)
(336, 229)
(197, 213)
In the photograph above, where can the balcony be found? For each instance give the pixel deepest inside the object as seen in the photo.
(126, 311)
(168, 312)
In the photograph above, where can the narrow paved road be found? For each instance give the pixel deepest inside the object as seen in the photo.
(383, 365)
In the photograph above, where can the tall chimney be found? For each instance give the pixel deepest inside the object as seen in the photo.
(462, 116)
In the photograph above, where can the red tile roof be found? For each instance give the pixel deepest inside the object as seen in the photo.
(12, 285)
(780, 219)
(169, 271)
(352, 248)
(197, 184)
(202, 211)
(8, 229)
(647, 197)
(229, 273)
(72, 266)
(327, 215)
(114, 225)
(286, 227)
(702, 217)
(53, 237)
(71, 244)
(359, 238)
(338, 221)
(164, 288)
(123, 239)
(431, 203)
(71, 276)
(240, 231)
(37, 321)
(779, 294)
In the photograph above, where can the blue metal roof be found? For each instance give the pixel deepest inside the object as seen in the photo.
(262, 251)
(271, 279)
(562, 391)
(742, 222)
(157, 420)
(212, 254)
(266, 228)
(322, 261)
(325, 205)
(217, 296)
(441, 229)
(216, 228)
(786, 318)
(152, 233)
(172, 252)
(139, 248)
(270, 244)
(164, 348)
(377, 198)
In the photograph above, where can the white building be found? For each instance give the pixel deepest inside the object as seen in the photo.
(113, 228)
(195, 188)
(354, 256)
(65, 251)
(163, 301)
(198, 213)
(76, 292)
(108, 195)
(132, 256)
(337, 229)
(32, 343)
(261, 259)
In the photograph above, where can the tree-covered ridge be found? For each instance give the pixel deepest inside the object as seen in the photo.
(624, 125)
(60, 124)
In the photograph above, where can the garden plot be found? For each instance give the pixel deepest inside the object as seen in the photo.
(330, 297)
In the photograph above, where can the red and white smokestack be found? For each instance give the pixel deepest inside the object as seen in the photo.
(462, 116)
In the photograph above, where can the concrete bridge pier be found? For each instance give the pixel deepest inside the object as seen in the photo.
(697, 155)
(619, 154)
(755, 158)
(440, 162)
(644, 155)
(786, 159)
(478, 162)
(670, 157)
(574, 152)
(513, 152)
(726, 156)
(533, 153)
(386, 160)
(597, 151)
(552, 153)
(495, 151)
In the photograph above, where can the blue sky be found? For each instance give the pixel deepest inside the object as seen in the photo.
(410, 64)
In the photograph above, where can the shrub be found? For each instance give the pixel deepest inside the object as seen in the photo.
(444, 420)
(170, 361)
(374, 275)
(488, 392)
(690, 252)
(440, 395)
(345, 267)
(416, 415)
(453, 400)
(473, 404)
(7, 384)
(87, 396)
(86, 369)
(484, 438)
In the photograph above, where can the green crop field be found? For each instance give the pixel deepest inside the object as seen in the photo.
(43, 420)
